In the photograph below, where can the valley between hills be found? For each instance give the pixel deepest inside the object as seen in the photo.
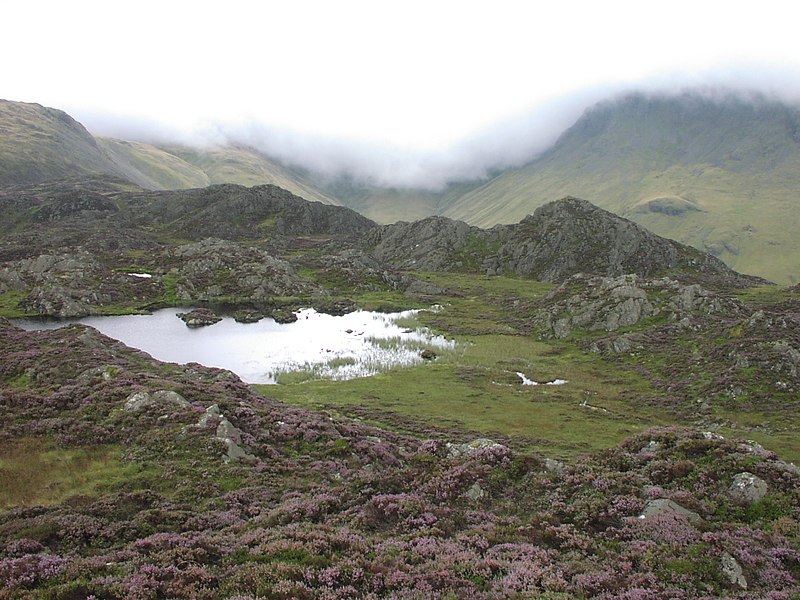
(663, 467)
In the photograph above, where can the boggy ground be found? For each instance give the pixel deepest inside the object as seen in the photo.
(375, 494)
(636, 353)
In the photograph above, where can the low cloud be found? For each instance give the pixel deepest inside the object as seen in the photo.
(512, 142)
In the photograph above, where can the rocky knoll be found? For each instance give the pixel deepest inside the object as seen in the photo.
(235, 212)
(432, 244)
(559, 240)
(76, 284)
(214, 270)
(572, 235)
(702, 348)
(72, 284)
(592, 303)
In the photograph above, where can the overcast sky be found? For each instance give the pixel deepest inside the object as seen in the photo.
(404, 92)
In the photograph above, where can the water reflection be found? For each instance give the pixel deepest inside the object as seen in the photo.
(357, 344)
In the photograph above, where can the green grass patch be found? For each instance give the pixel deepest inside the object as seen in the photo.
(33, 471)
(268, 223)
(764, 294)
(10, 304)
(477, 389)
(20, 382)
(170, 284)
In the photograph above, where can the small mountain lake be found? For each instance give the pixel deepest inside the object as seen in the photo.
(317, 345)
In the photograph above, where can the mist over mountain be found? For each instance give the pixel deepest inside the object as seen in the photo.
(718, 173)
(715, 169)
(40, 144)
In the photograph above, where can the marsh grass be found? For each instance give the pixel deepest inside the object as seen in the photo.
(473, 386)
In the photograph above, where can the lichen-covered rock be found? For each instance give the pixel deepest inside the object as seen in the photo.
(475, 492)
(732, 571)
(232, 438)
(236, 453)
(226, 430)
(137, 401)
(169, 397)
(477, 445)
(140, 400)
(747, 488)
(616, 344)
(212, 414)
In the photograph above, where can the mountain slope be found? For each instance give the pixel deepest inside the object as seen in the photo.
(390, 204)
(720, 175)
(560, 239)
(39, 144)
(152, 168)
(246, 166)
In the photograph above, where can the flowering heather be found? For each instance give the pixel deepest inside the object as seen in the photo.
(332, 508)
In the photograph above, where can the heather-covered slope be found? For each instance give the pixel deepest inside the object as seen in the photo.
(316, 505)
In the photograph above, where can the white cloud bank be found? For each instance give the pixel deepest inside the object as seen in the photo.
(405, 93)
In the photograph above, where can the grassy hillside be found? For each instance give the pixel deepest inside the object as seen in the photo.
(390, 205)
(248, 167)
(153, 168)
(39, 144)
(729, 172)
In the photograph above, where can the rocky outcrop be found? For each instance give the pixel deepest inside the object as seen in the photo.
(227, 433)
(572, 235)
(73, 203)
(663, 506)
(432, 244)
(732, 571)
(611, 303)
(558, 240)
(455, 450)
(216, 270)
(72, 284)
(199, 317)
(139, 401)
(352, 269)
(247, 316)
